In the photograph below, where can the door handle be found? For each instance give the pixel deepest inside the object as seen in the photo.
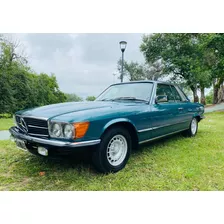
(180, 108)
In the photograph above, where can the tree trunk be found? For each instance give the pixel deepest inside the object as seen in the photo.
(215, 92)
(221, 94)
(218, 90)
(203, 101)
(195, 95)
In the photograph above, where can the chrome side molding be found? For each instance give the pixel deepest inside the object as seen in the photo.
(161, 136)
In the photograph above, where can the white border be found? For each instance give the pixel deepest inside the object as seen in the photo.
(142, 16)
(110, 207)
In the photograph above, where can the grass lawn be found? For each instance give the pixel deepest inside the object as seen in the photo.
(6, 123)
(175, 163)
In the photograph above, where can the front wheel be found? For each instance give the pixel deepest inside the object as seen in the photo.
(114, 150)
(193, 128)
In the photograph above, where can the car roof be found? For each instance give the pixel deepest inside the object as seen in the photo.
(144, 81)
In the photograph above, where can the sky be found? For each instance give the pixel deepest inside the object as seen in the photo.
(83, 63)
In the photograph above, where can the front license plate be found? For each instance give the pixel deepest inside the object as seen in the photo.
(21, 144)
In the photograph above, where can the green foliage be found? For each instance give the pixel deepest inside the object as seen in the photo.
(196, 58)
(20, 87)
(135, 71)
(48, 90)
(132, 70)
(209, 98)
(183, 55)
(215, 59)
(90, 98)
(6, 97)
(71, 97)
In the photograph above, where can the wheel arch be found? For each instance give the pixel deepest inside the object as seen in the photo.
(198, 117)
(125, 123)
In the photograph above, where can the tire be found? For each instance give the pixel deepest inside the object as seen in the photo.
(114, 150)
(193, 128)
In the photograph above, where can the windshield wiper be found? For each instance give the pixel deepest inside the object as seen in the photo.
(106, 99)
(129, 98)
(124, 98)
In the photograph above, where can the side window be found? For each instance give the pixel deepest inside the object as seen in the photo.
(182, 94)
(176, 94)
(163, 89)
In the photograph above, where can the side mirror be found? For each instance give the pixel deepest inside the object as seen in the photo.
(161, 99)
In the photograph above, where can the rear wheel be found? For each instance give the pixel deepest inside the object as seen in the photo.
(193, 128)
(114, 150)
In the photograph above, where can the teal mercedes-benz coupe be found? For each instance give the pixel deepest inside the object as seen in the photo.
(123, 116)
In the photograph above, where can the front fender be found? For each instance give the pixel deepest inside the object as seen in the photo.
(116, 121)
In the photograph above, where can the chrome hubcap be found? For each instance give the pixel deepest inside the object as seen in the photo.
(117, 150)
(193, 126)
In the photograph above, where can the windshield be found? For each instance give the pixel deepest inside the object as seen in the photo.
(129, 91)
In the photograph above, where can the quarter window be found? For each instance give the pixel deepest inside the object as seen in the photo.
(176, 94)
(182, 94)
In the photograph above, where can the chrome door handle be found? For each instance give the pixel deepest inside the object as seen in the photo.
(180, 108)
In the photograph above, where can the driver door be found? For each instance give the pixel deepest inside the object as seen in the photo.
(164, 115)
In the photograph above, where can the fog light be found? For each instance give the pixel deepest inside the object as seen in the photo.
(42, 151)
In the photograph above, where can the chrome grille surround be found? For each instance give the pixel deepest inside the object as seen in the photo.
(33, 126)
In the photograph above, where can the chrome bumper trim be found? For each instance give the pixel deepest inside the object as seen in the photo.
(14, 132)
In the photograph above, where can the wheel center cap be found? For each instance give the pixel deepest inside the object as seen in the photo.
(116, 149)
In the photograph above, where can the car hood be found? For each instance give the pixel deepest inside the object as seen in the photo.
(66, 109)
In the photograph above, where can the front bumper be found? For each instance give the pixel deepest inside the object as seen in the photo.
(202, 117)
(15, 132)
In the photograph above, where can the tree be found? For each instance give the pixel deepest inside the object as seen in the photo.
(135, 71)
(132, 70)
(215, 59)
(12, 50)
(90, 98)
(72, 97)
(6, 96)
(20, 87)
(182, 56)
(48, 90)
(10, 67)
(154, 71)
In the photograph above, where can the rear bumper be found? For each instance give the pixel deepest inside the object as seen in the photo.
(15, 132)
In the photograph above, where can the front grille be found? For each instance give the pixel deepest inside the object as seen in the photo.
(33, 126)
(35, 122)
